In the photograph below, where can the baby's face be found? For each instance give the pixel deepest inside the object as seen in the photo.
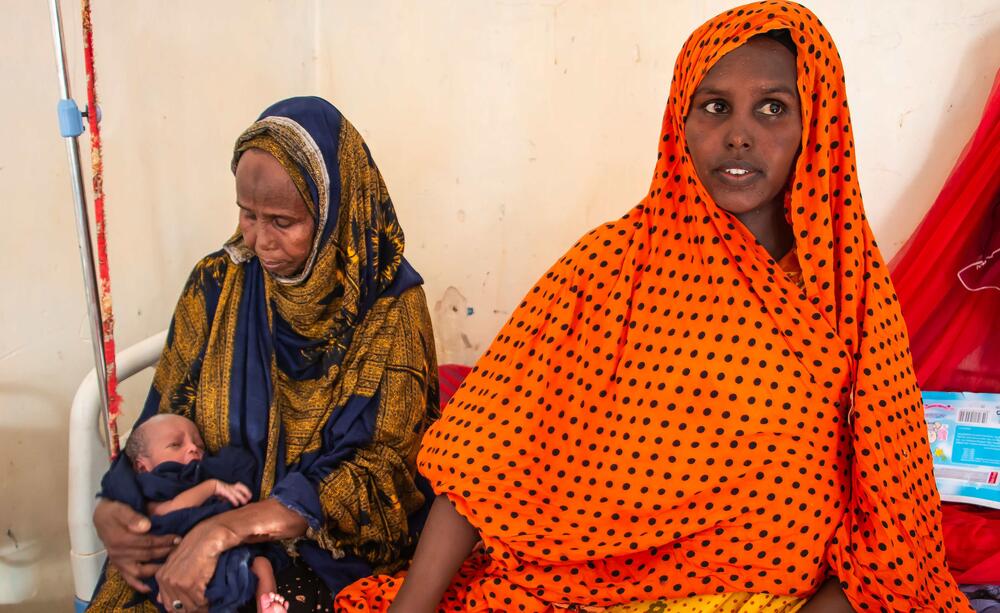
(170, 438)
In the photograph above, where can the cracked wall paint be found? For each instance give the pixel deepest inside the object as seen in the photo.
(452, 315)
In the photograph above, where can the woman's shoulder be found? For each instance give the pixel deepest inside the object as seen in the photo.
(209, 271)
(412, 314)
(403, 322)
(413, 298)
(216, 261)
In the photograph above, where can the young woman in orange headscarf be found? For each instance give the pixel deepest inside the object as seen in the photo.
(707, 404)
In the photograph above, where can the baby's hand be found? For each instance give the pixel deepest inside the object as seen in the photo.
(236, 493)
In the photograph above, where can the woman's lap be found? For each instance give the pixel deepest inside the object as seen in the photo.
(722, 603)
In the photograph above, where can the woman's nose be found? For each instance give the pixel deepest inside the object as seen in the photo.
(738, 137)
(264, 238)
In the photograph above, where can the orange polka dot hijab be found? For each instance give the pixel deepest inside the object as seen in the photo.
(668, 414)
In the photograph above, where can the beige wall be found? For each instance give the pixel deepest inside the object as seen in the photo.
(504, 128)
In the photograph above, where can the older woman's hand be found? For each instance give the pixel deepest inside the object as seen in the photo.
(131, 549)
(185, 575)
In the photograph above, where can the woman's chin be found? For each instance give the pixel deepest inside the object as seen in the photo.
(738, 207)
(742, 204)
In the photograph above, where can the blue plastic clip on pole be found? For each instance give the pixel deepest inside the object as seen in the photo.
(70, 118)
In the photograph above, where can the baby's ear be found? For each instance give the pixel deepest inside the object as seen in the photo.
(143, 465)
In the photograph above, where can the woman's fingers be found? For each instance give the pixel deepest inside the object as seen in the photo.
(125, 557)
(132, 578)
(136, 524)
(131, 549)
(189, 596)
(169, 599)
(160, 551)
(122, 529)
(149, 542)
(136, 573)
(142, 548)
(115, 521)
(170, 594)
(146, 570)
(187, 571)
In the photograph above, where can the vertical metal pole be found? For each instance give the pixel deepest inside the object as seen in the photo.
(82, 225)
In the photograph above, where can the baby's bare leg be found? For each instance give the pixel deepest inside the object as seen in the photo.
(268, 601)
(261, 567)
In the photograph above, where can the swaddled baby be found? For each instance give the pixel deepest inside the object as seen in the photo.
(180, 486)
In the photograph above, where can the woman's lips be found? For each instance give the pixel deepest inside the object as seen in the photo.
(271, 264)
(737, 175)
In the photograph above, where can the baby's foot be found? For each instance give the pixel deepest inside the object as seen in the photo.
(272, 603)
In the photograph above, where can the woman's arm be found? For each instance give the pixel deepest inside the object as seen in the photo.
(829, 599)
(187, 571)
(447, 540)
(260, 522)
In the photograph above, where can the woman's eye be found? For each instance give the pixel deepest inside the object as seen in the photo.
(282, 223)
(715, 107)
(771, 108)
(245, 214)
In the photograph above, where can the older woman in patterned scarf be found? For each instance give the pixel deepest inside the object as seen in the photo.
(306, 342)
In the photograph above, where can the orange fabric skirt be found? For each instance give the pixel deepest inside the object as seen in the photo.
(375, 594)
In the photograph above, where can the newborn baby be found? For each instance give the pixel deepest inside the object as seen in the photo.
(168, 455)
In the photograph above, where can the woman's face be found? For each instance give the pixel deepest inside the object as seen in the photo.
(274, 220)
(744, 127)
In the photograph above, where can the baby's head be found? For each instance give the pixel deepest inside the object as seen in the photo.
(164, 438)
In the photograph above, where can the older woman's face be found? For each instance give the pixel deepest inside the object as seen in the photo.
(744, 127)
(274, 220)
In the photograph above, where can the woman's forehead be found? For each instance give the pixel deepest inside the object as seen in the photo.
(761, 63)
(261, 181)
(257, 165)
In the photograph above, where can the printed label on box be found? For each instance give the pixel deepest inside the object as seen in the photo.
(963, 430)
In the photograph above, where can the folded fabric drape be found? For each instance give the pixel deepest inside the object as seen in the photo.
(954, 333)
